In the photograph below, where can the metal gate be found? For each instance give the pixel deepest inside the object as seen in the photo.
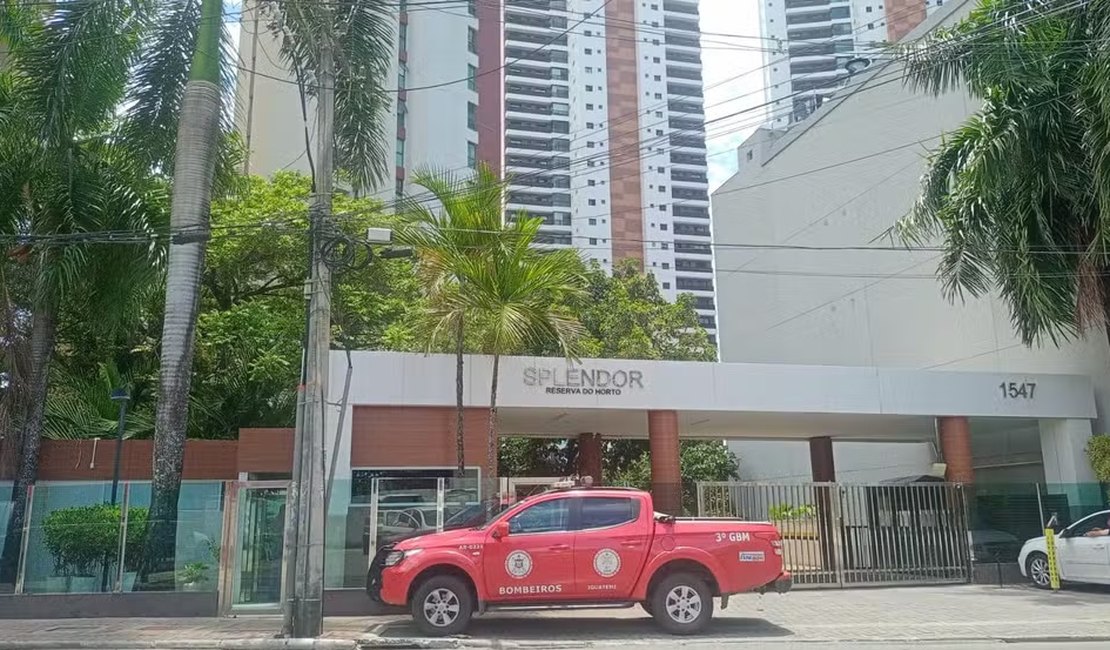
(838, 535)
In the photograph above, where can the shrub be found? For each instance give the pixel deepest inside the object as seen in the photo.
(85, 539)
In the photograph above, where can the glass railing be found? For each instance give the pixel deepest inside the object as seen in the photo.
(77, 541)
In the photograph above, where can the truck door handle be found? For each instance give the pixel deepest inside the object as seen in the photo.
(559, 547)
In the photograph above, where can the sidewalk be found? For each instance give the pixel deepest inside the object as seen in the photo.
(862, 615)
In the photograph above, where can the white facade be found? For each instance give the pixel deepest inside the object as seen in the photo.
(841, 179)
(810, 41)
(422, 129)
(558, 148)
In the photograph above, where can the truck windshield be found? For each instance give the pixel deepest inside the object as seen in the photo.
(474, 516)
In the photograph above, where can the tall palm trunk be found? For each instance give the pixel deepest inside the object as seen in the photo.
(43, 329)
(194, 167)
(491, 436)
(460, 432)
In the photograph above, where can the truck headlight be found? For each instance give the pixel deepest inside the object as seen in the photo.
(394, 557)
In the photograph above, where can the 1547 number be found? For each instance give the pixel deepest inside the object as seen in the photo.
(1017, 390)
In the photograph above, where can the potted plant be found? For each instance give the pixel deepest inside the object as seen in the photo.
(193, 576)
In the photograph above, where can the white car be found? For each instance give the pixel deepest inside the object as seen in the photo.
(1080, 557)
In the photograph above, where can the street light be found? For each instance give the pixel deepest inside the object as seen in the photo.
(119, 395)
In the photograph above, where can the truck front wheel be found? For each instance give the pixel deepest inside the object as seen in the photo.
(682, 603)
(442, 606)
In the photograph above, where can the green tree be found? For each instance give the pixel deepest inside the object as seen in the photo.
(251, 321)
(700, 460)
(1019, 194)
(626, 317)
(465, 223)
(519, 294)
(184, 39)
(63, 175)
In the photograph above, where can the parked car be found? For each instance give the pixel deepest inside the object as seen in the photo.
(604, 547)
(990, 545)
(1082, 553)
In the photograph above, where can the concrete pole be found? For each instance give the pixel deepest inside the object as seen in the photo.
(303, 610)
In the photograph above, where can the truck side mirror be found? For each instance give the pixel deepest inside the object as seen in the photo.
(501, 529)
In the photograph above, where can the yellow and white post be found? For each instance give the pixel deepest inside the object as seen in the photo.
(1050, 551)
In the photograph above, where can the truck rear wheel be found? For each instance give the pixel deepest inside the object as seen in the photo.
(442, 606)
(682, 603)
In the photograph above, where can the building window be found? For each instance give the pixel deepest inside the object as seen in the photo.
(471, 154)
(593, 241)
(666, 265)
(658, 113)
(870, 25)
(589, 125)
(662, 208)
(658, 131)
(662, 226)
(868, 9)
(589, 51)
(592, 202)
(655, 59)
(589, 69)
(588, 33)
(666, 285)
(472, 40)
(659, 95)
(472, 77)
(589, 144)
(592, 221)
(472, 116)
(665, 246)
(589, 107)
(749, 154)
(658, 78)
(591, 182)
(559, 108)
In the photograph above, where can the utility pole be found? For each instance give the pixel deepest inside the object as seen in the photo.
(304, 534)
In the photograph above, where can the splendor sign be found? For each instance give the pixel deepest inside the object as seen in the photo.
(583, 381)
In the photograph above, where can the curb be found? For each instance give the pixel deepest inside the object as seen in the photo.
(462, 643)
(187, 644)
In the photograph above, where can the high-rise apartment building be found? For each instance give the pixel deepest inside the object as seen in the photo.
(605, 136)
(594, 109)
(433, 127)
(809, 43)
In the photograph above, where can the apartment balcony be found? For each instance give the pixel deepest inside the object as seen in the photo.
(692, 248)
(675, 39)
(686, 8)
(693, 284)
(688, 158)
(692, 229)
(681, 24)
(678, 56)
(686, 211)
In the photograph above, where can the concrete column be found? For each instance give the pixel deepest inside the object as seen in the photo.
(1067, 470)
(824, 471)
(666, 473)
(589, 456)
(955, 446)
(821, 459)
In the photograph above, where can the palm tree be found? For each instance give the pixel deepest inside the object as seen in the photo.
(519, 293)
(178, 87)
(1020, 193)
(63, 176)
(467, 222)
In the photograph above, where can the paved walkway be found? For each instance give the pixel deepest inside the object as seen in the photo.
(861, 615)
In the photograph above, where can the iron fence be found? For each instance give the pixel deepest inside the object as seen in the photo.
(838, 535)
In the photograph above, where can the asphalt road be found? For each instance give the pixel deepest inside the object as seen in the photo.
(946, 645)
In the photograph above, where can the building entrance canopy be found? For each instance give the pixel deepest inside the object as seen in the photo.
(551, 396)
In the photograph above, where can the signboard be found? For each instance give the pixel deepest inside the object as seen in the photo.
(573, 380)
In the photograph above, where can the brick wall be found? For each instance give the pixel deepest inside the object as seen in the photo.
(902, 16)
(88, 460)
(393, 436)
(626, 210)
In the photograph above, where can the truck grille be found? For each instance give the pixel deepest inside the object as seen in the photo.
(374, 576)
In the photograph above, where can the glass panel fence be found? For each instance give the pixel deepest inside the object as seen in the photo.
(74, 542)
(7, 573)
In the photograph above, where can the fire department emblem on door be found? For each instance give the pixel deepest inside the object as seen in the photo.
(607, 563)
(518, 564)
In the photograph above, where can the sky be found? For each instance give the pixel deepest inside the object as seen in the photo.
(731, 74)
(733, 78)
